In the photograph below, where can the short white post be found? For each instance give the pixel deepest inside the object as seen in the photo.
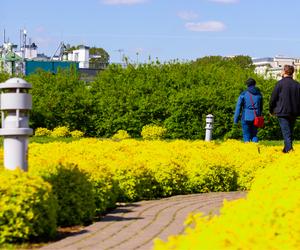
(15, 105)
(209, 127)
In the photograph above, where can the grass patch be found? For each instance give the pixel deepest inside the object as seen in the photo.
(47, 139)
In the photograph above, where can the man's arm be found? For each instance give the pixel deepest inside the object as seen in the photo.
(274, 98)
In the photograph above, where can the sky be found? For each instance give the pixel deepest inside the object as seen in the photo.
(166, 30)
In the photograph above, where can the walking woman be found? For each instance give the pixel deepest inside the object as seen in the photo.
(249, 104)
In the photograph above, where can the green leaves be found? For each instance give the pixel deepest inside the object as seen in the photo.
(59, 100)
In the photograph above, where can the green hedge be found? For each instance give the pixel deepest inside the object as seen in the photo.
(75, 195)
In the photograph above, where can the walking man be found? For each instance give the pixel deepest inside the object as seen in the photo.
(285, 104)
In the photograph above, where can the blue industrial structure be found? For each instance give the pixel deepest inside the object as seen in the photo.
(51, 66)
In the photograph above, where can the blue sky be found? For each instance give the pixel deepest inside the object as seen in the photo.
(163, 29)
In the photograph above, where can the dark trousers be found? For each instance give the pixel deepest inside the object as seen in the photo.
(287, 125)
(249, 131)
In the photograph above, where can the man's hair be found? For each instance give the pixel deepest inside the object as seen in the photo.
(288, 70)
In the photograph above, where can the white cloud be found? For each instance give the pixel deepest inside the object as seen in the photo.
(225, 1)
(123, 2)
(188, 15)
(213, 26)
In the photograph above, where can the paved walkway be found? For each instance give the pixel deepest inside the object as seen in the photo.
(135, 225)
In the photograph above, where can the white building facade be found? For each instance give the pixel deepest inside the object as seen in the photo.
(81, 55)
(271, 67)
(28, 52)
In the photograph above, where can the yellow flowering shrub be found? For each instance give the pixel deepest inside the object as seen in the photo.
(105, 187)
(87, 155)
(120, 135)
(268, 218)
(130, 170)
(62, 131)
(149, 169)
(152, 131)
(42, 132)
(58, 132)
(27, 207)
(247, 158)
(76, 134)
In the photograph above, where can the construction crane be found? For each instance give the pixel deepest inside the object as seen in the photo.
(62, 49)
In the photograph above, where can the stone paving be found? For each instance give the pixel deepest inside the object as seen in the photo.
(135, 225)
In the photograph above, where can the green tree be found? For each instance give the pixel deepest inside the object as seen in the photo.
(245, 62)
(99, 58)
(60, 100)
(128, 99)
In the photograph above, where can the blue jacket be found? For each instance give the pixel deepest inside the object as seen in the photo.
(245, 106)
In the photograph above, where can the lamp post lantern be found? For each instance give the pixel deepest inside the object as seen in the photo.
(15, 105)
(209, 127)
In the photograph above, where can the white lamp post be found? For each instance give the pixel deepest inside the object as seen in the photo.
(209, 127)
(15, 106)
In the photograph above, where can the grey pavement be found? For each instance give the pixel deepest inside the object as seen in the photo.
(135, 225)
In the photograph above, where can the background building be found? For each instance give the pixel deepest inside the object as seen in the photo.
(271, 67)
(80, 55)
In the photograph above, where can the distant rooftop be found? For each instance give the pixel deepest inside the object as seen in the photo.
(83, 47)
(264, 59)
(285, 57)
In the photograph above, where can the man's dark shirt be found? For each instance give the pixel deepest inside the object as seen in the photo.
(285, 98)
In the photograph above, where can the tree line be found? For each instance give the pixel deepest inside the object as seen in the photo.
(176, 95)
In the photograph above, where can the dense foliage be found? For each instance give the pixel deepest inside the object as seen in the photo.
(60, 100)
(174, 95)
(75, 196)
(27, 207)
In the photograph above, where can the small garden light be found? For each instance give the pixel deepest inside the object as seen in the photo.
(209, 127)
(15, 105)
